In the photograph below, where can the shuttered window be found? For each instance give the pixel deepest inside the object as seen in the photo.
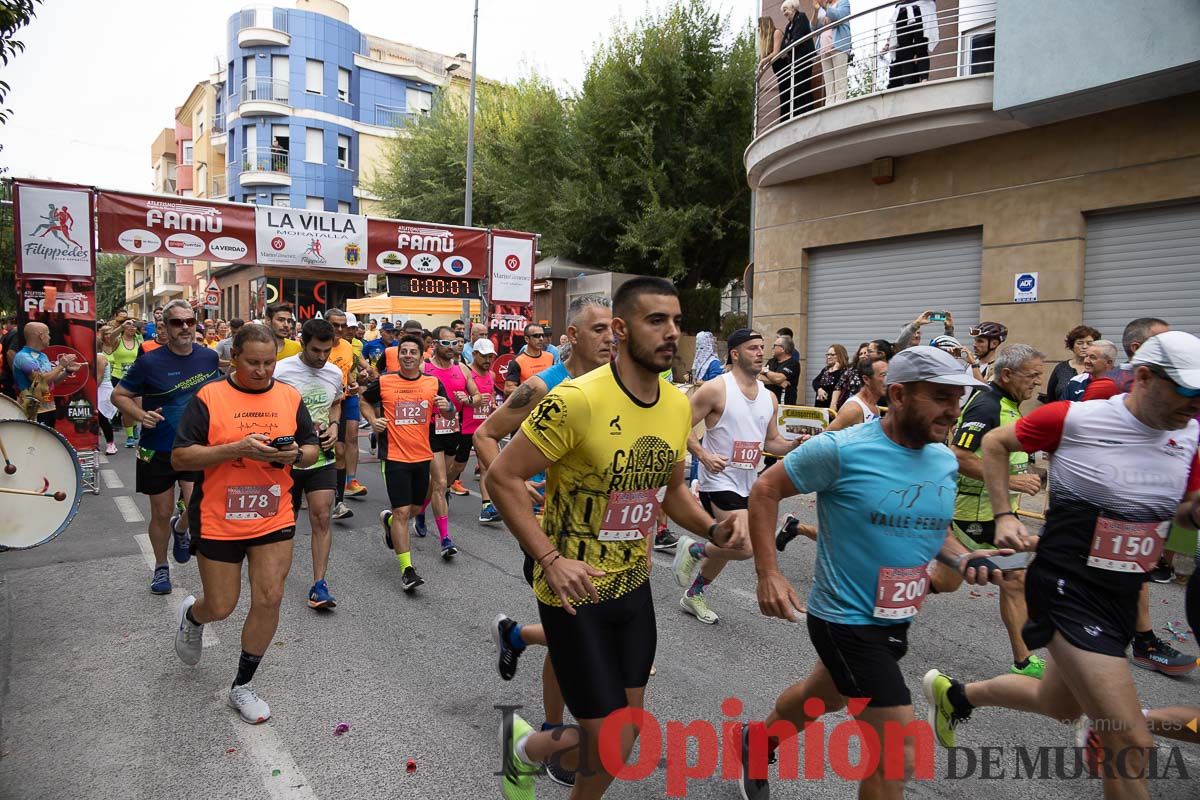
(871, 290)
(1143, 263)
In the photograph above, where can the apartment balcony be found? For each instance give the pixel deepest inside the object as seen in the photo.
(265, 166)
(894, 98)
(393, 117)
(218, 135)
(263, 27)
(216, 188)
(263, 97)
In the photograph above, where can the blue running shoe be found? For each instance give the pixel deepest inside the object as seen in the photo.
(489, 513)
(181, 546)
(419, 525)
(319, 596)
(161, 582)
(449, 551)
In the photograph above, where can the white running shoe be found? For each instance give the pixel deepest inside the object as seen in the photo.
(247, 702)
(684, 563)
(189, 638)
(698, 608)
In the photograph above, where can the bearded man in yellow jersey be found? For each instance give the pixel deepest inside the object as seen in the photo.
(612, 443)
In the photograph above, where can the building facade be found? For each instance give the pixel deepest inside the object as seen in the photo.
(1041, 150)
(299, 115)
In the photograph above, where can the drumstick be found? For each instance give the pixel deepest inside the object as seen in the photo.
(59, 496)
(9, 467)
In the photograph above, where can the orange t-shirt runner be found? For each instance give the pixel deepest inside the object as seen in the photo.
(409, 407)
(243, 499)
(525, 366)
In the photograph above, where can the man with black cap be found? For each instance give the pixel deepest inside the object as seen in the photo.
(740, 422)
(885, 499)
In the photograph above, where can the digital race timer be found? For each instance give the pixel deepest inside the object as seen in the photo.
(449, 288)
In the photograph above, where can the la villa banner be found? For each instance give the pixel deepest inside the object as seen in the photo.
(318, 239)
(183, 228)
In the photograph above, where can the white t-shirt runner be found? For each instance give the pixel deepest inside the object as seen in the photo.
(738, 436)
(318, 388)
(1114, 486)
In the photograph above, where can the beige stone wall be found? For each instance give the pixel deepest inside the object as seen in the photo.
(1029, 191)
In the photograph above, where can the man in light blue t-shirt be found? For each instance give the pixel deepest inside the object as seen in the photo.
(885, 500)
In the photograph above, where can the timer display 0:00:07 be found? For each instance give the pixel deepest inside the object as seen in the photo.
(437, 287)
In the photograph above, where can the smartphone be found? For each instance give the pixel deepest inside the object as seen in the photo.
(1006, 563)
(937, 316)
(282, 441)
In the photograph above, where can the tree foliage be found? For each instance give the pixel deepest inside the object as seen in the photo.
(110, 284)
(640, 170)
(14, 15)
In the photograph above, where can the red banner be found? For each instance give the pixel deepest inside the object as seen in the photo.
(68, 308)
(423, 248)
(183, 228)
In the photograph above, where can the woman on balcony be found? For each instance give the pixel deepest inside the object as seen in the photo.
(792, 66)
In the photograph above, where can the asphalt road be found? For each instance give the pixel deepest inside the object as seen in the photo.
(95, 704)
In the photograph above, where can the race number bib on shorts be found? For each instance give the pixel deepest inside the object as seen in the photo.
(1127, 546)
(411, 412)
(252, 502)
(630, 515)
(900, 592)
(746, 455)
(443, 425)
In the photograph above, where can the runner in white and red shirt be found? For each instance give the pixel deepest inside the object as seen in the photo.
(1120, 471)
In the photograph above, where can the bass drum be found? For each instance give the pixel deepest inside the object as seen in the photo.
(45, 465)
(10, 409)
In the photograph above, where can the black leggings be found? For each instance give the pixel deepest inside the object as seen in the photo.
(106, 428)
(1192, 601)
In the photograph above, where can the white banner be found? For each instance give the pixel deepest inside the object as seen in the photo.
(54, 232)
(512, 269)
(295, 237)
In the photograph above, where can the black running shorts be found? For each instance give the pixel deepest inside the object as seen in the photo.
(157, 475)
(603, 650)
(463, 453)
(726, 501)
(407, 484)
(1094, 618)
(447, 443)
(312, 480)
(864, 660)
(233, 551)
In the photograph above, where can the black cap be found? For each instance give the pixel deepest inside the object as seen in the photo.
(739, 338)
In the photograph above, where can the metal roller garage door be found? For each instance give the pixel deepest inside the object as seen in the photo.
(1143, 264)
(871, 290)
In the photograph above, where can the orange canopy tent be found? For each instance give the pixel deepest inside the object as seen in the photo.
(383, 304)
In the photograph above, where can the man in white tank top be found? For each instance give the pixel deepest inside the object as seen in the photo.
(863, 406)
(739, 417)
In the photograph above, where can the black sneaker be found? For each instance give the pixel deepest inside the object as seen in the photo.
(1162, 572)
(752, 788)
(665, 540)
(410, 579)
(554, 770)
(1158, 656)
(385, 519)
(789, 531)
(506, 663)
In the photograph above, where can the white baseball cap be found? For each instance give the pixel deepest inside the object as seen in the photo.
(484, 347)
(351, 320)
(1177, 353)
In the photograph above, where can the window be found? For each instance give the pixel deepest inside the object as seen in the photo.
(418, 102)
(314, 76)
(199, 123)
(343, 152)
(314, 145)
(344, 85)
(230, 83)
(281, 200)
(314, 203)
(343, 207)
(982, 53)
(187, 154)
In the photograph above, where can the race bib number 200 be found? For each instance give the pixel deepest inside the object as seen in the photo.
(900, 592)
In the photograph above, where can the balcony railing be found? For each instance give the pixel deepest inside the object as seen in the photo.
(809, 75)
(392, 117)
(217, 189)
(218, 123)
(274, 90)
(263, 17)
(265, 159)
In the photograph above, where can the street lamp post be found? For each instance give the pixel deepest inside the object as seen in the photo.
(467, 216)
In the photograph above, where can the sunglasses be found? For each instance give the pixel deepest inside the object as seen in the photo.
(535, 336)
(446, 342)
(1182, 391)
(175, 322)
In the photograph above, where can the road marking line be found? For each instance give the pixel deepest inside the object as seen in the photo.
(129, 511)
(111, 479)
(143, 542)
(261, 744)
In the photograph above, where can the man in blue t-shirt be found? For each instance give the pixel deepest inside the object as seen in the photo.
(33, 374)
(885, 500)
(165, 379)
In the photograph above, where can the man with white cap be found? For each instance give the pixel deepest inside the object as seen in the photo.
(885, 500)
(1120, 471)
